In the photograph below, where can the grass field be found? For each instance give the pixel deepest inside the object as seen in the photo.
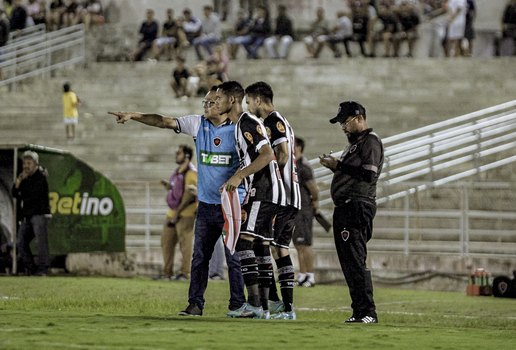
(108, 313)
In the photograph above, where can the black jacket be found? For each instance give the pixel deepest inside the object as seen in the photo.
(33, 195)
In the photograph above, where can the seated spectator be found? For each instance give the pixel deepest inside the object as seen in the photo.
(211, 33)
(389, 27)
(409, 22)
(360, 13)
(319, 30)
(508, 28)
(92, 13)
(341, 33)
(180, 76)
(36, 10)
(192, 26)
(172, 38)
(222, 61)
(55, 15)
(149, 32)
(283, 35)
(18, 18)
(240, 30)
(258, 31)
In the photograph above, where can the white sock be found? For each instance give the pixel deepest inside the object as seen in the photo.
(311, 277)
(301, 277)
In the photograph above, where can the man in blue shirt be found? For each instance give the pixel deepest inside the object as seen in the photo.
(217, 161)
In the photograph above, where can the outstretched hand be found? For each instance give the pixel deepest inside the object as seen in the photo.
(122, 117)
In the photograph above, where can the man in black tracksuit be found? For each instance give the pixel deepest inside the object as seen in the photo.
(353, 190)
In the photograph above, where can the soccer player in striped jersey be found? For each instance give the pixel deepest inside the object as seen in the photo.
(265, 192)
(259, 99)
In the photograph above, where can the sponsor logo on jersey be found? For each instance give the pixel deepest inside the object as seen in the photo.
(248, 136)
(280, 127)
(217, 141)
(215, 159)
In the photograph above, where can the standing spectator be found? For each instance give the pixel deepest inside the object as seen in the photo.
(92, 14)
(18, 16)
(469, 32)
(240, 31)
(149, 33)
(172, 38)
(508, 27)
(283, 35)
(303, 234)
(211, 33)
(192, 26)
(71, 15)
(4, 28)
(259, 173)
(180, 75)
(319, 30)
(179, 224)
(258, 31)
(214, 136)
(409, 22)
(456, 19)
(360, 13)
(353, 190)
(55, 15)
(36, 10)
(31, 190)
(70, 113)
(222, 7)
(389, 27)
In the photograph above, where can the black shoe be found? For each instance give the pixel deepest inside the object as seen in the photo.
(191, 310)
(180, 277)
(365, 319)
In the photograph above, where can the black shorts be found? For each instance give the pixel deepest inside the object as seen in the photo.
(257, 219)
(303, 234)
(284, 226)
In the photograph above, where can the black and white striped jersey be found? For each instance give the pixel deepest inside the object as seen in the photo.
(265, 185)
(279, 131)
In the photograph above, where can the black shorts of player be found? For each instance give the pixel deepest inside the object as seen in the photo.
(284, 226)
(257, 219)
(303, 233)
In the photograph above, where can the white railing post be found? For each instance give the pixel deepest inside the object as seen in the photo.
(406, 232)
(147, 218)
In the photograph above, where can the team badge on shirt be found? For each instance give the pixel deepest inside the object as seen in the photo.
(345, 235)
(269, 132)
(217, 141)
(280, 127)
(352, 148)
(259, 130)
(248, 136)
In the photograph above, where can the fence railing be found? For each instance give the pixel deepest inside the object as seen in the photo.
(37, 54)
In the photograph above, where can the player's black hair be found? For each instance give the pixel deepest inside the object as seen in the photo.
(187, 150)
(260, 89)
(214, 88)
(301, 143)
(232, 88)
(66, 87)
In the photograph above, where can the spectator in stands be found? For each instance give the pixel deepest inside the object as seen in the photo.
(360, 13)
(258, 31)
(70, 113)
(303, 234)
(469, 31)
(508, 27)
(222, 61)
(211, 33)
(172, 38)
(389, 27)
(342, 32)
(55, 15)
(240, 30)
(222, 7)
(456, 13)
(192, 26)
(36, 10)
(4, 29)
(409, 22)
(180, 76)
(92, 14)
(179, 224)
(71, 14)
(149, 32)
(31, 190)
(283, 35)
(18, 16)
(319, 29)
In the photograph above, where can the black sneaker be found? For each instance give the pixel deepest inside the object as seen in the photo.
(365, 319)
(191, 310)
(353, 319)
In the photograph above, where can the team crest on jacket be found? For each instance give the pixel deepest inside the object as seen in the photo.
(280, 127)
(259, 130)
(269, 133)
(345, 235)
(248, 136)
(217, 141)
(352, 148)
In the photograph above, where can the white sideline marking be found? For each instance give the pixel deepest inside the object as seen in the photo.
(91, 346)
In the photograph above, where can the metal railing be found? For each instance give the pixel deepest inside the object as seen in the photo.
(441, 153)
(36, 54)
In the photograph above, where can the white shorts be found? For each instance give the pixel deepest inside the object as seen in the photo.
(70, 120)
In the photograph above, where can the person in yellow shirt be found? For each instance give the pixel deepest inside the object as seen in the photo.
(179, 225)
(70, 113)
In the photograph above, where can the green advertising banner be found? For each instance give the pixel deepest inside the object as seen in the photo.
(88, 213)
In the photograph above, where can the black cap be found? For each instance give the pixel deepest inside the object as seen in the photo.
(348, 109)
